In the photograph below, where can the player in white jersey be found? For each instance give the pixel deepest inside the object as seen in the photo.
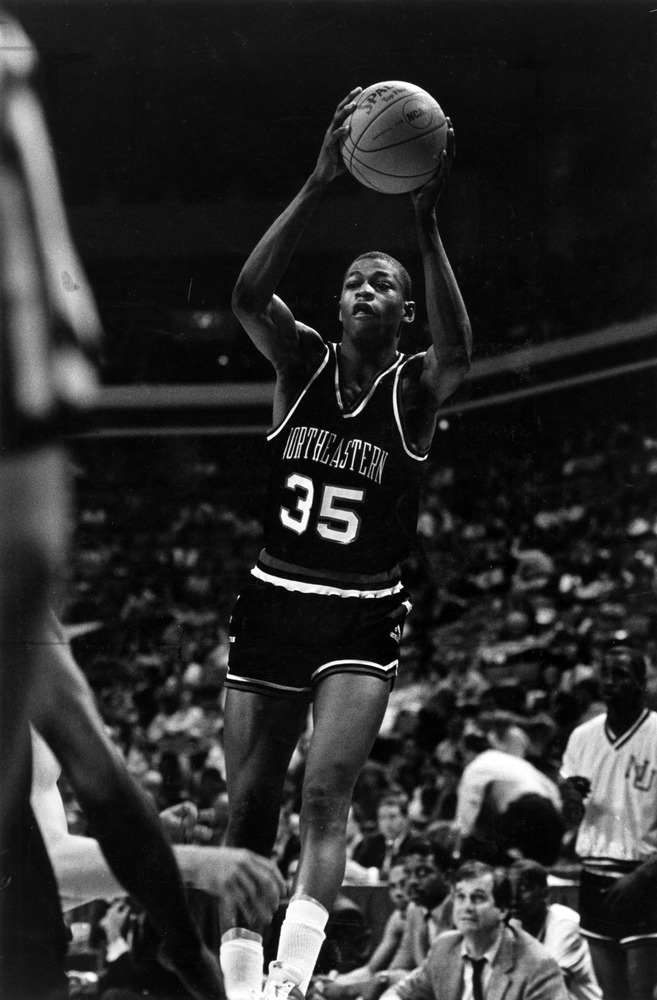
(610, 772)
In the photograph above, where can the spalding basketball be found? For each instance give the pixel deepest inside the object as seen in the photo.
(397, 132)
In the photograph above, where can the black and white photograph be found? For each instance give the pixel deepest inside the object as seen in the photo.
(328, 499)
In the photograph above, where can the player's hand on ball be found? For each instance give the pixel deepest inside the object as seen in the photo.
(426, 198)
(329, 162)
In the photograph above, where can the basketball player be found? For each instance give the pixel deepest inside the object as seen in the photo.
(322, 617)
(610, 764)
(47, 318)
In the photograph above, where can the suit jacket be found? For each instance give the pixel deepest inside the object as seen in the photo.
(371, 851)
(523, 970)
(420, 930)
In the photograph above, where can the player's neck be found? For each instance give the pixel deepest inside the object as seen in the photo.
(358, 361)
(620, 718)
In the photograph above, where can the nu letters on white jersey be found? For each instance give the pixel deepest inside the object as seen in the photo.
(620, 817)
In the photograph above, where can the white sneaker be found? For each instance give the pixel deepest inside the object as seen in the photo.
(283, 982)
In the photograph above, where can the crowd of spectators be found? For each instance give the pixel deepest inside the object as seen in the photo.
(524, 570)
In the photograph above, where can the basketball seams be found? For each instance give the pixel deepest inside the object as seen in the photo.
(383, 173)
(410, 155)
(412, 138)
(387, 107)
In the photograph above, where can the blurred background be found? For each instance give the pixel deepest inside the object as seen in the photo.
(183, 126)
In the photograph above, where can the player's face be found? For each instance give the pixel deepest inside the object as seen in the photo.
(372, 298)
(475, 909)
(621, 684)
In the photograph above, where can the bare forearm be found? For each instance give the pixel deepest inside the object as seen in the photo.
(449, 324)
(269, 260)
(131, 838)
(83, 873)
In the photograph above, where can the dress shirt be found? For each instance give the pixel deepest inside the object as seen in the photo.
(490, 956)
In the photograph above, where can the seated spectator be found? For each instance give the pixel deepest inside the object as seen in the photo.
(378, 849)
(130, 963)
(484, 956)
(555, 926)
(434, 801)
(363, 981)
(505, 806)
(429, 908)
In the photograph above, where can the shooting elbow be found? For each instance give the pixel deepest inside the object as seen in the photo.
(243, 300)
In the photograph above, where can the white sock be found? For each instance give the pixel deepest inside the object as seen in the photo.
(302, 935)
(241, 959)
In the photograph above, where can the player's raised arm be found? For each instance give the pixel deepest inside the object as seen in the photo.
(264, 316)
(447, 361)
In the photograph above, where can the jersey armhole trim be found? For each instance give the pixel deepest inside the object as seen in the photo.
(396, 391)
(320, 368)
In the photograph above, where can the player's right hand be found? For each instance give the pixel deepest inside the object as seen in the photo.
(244, 882)
(426, 198)
(581, 784)
(573, 792)
(329, 162)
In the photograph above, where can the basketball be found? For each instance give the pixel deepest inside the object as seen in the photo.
(397, 132)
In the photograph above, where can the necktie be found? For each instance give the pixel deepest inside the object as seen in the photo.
(477, 971)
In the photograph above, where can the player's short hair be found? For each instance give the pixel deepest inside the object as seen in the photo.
(502, 891)
(635, 656)
(404, 276)
(531, 872)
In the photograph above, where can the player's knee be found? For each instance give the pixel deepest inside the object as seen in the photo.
(324, 805)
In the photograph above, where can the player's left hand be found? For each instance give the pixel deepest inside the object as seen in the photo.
(426, 198)
(329, 162)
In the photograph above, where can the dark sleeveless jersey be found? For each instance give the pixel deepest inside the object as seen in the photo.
(344, 483)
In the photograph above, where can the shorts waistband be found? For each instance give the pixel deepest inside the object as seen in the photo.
(302, 580)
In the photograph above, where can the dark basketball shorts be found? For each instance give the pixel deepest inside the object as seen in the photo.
(283, 643)
(599, 922)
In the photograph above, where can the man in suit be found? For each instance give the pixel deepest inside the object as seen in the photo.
(484, 958)
(379, 849)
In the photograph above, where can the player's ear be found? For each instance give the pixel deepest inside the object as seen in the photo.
(409, 312)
